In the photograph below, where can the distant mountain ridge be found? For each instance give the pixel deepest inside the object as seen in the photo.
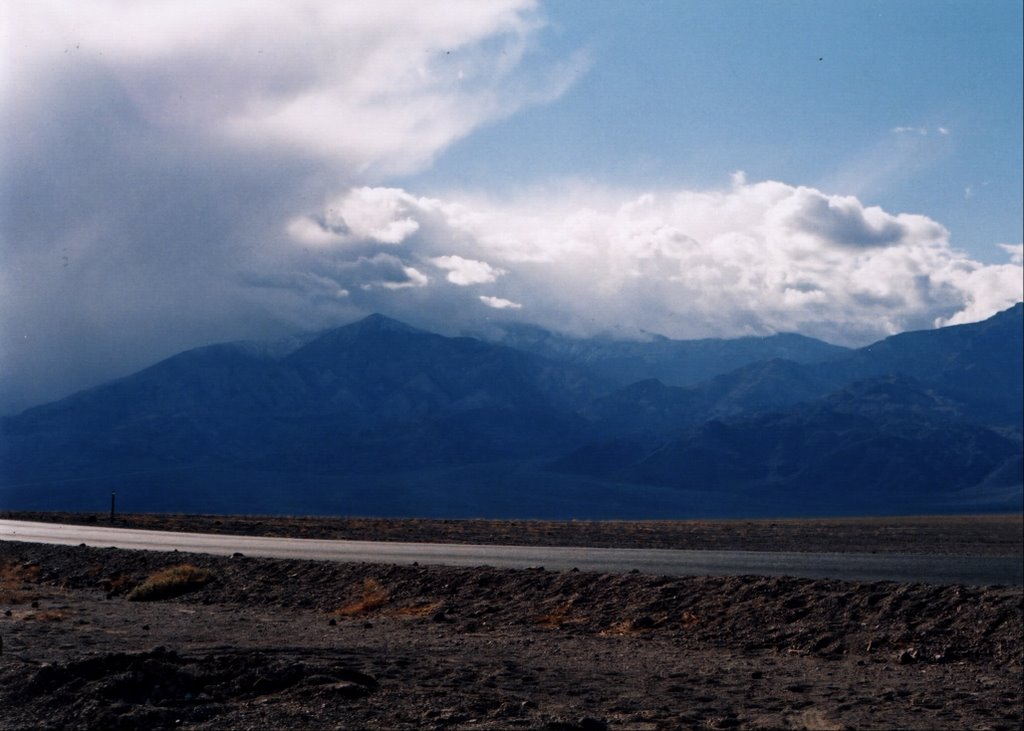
(384, 418)
(673, 362)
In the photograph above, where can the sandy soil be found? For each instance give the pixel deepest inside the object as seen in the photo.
(978, 535)
(285, 644)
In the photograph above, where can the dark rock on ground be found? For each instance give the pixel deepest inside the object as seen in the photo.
(518, 649)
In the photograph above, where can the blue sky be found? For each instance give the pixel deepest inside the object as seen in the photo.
(810, 93)
(180, 172)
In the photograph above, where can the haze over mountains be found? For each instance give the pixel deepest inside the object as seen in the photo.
(377, 417)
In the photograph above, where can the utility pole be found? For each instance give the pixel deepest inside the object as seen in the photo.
(113, 503)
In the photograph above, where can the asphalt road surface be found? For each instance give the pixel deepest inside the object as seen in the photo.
(848, 566)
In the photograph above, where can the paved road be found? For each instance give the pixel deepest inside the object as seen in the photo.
(851, 566)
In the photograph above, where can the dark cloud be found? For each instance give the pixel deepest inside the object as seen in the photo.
(121, 242)
(845, 222)
(218, 175)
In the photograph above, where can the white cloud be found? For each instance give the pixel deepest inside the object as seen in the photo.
(751, 258)
(1016, 252)
(372, 213)
(986, 290)
(500, 304)
(172, 149)
(312, 233)
(414, 278)
(923, 131)
(361, 215)
(467, 271)
(378, 89)
(382, 271)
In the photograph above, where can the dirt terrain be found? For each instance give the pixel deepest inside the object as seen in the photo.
(265, 643)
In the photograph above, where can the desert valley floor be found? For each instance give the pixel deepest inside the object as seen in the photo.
(265, 643)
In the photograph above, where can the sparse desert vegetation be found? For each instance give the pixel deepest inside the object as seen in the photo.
(17, 582)
(373, 597)
(296, 644)
(170, 582)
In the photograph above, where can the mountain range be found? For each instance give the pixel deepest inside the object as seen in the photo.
(378, 417)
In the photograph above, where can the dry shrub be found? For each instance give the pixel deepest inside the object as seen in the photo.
(618, 629)
(637, 625)
(16, 582)
(47, 615)
(419, 610)
(689, 620)
(560, 615)
(170, 582)
(374, 596)
(118, 584)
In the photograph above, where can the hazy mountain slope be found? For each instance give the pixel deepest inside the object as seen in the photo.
(795, 429)
(375, 395)
(379, 410)
(673, 362)
(977, 367)
(882, 439)
(980, 364)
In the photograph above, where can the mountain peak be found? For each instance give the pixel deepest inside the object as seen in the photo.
(374, 328)
(380, 323)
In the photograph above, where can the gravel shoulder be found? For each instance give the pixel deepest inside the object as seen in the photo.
(267, 643)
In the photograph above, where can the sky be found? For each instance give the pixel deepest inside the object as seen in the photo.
(176, 173)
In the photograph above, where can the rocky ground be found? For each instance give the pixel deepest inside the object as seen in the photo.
(265, 643)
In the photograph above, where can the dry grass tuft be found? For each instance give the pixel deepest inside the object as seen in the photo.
(561, 615)
(418, 610)
(374, 597)
(118, 584)
(47, 615)
(16, 582)
(638, 625)
(618, 629)
(170, 582)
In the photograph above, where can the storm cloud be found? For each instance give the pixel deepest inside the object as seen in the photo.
(179, 173)
(750, 258)
(155, 153)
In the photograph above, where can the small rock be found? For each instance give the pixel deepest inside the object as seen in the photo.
(643, 622)
(906, 657)
(439, 616)
(347, 689)
(145, 627)
(35, 604)
(332, 622)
